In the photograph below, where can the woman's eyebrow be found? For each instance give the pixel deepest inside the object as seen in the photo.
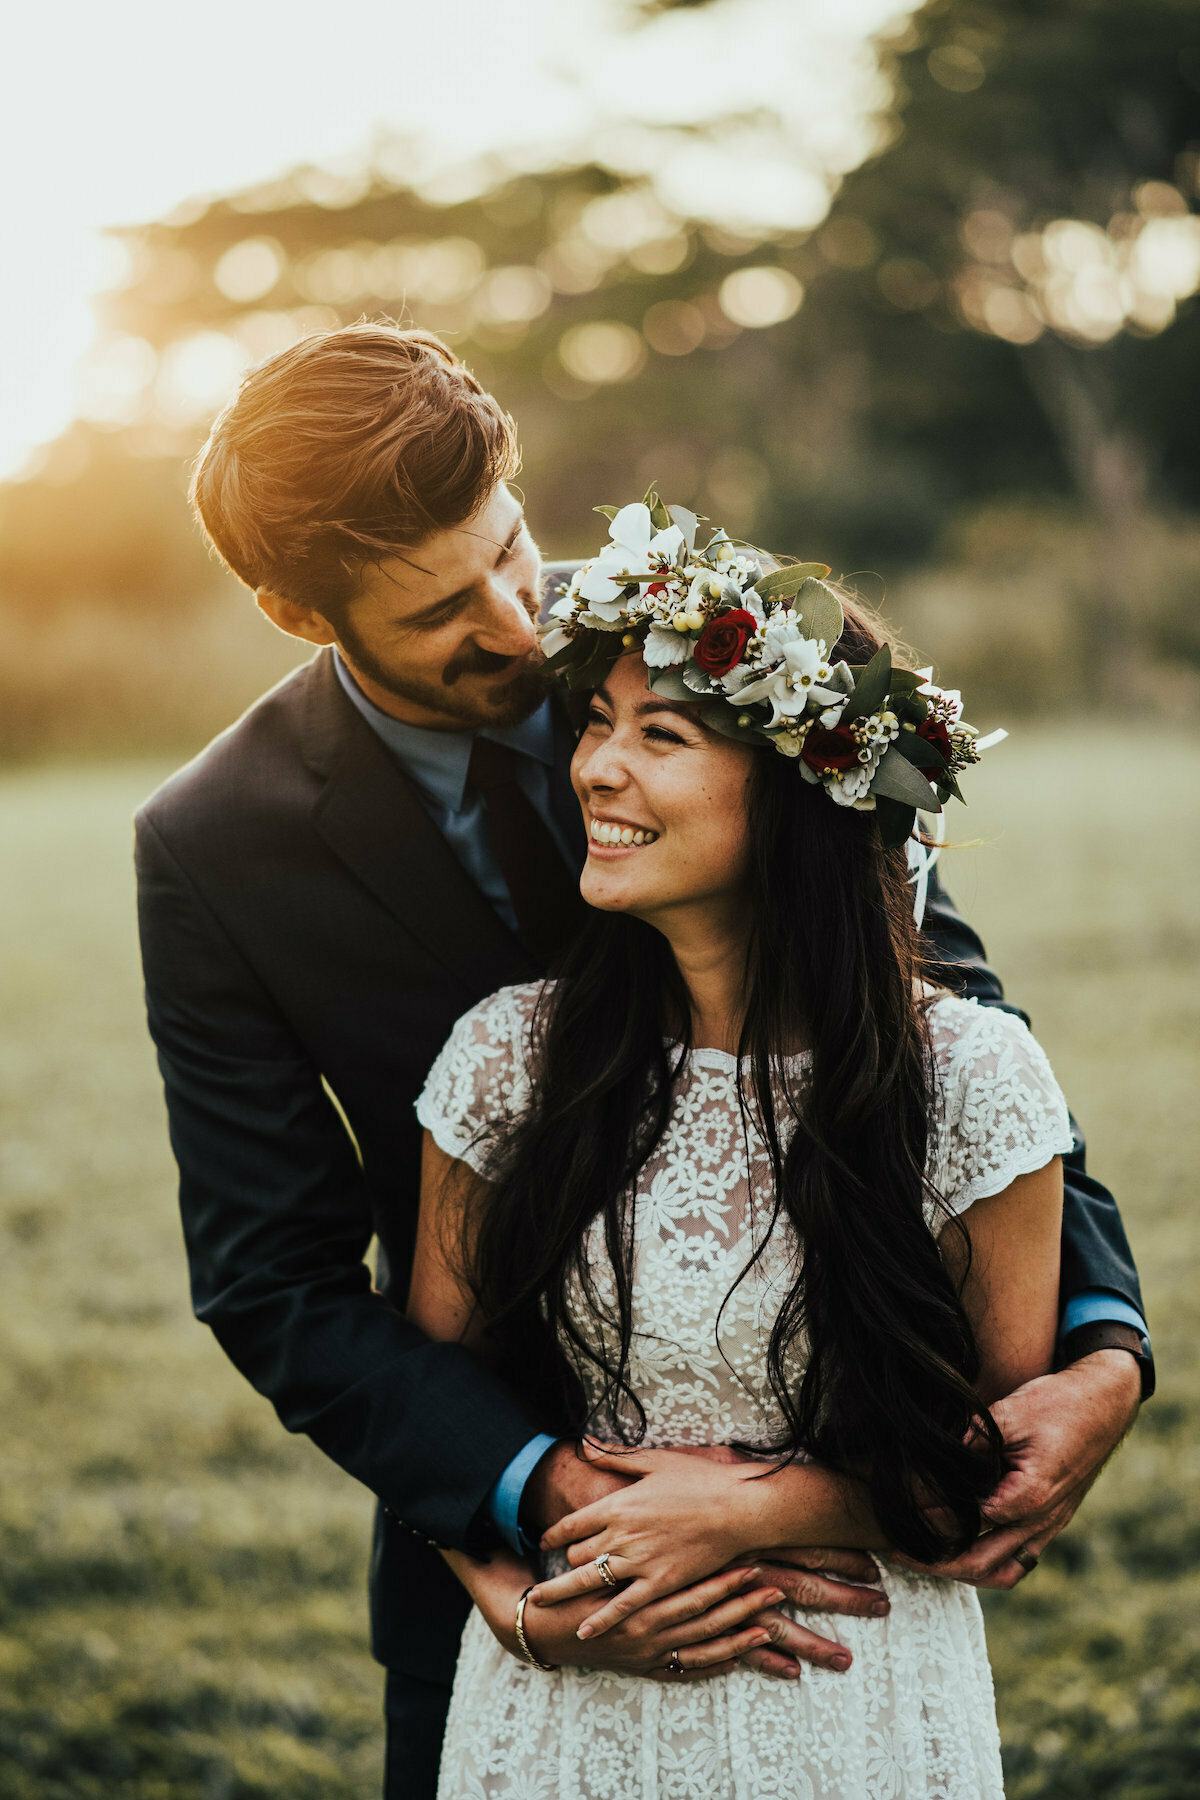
(681, 708)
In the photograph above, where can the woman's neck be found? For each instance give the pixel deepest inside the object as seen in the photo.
(709, 944)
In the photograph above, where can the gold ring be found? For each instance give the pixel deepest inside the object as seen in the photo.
(1027, 1560)
(674, 1666)
(606, 1574)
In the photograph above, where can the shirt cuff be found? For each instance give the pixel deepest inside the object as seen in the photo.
(504, 1501)
(1096, 1306)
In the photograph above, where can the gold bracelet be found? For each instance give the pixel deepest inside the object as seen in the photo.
(526, 1652)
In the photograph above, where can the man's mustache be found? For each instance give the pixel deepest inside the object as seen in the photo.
(475, 662)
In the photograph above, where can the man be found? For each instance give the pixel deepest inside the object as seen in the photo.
(383, 839)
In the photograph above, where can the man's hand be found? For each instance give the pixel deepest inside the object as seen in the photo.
(1059, 1431)
(708, 1627)
(823, 1581)
(563, 1482)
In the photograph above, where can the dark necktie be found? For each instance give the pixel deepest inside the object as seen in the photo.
(543, 890)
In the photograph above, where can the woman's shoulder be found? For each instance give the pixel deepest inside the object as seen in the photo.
(481, 1075)
(500, 1018)
(1002, 1113)
(960, 1029)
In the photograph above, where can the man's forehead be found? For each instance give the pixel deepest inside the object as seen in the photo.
(449, 559)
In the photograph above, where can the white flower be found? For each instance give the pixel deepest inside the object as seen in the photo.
(635, 549)
(564, 608)
(706, 585)
(796, 682)
(554, 640)
(664, 646)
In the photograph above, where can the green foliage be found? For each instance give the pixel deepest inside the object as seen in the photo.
(182, 1610)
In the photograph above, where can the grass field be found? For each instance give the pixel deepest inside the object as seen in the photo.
(181, 1584)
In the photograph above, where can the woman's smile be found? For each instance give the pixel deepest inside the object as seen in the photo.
(618, 834)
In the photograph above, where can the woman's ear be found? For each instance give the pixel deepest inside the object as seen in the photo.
(294, 619)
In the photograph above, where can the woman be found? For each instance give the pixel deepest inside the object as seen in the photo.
(739, 1176)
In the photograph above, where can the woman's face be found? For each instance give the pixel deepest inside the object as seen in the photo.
(646, 767)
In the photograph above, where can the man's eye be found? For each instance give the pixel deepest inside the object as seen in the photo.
(439, 619)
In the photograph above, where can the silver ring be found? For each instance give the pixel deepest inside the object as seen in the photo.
(1026, 1558)
(674, 1666)
(606, 1574)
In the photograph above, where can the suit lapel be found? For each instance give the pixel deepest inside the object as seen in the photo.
(371, 816)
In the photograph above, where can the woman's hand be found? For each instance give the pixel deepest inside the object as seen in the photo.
(708, 1627)
(686, 1516)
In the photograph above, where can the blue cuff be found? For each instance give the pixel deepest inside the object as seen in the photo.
(1097, 1305)
(504, 1501)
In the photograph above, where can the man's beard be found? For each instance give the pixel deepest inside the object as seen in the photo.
(508, 704)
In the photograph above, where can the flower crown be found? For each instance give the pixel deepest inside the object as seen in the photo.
(754, 650)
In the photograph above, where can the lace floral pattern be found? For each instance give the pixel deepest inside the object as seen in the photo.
(915, 1716)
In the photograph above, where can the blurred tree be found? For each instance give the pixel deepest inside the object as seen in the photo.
(1013, 263)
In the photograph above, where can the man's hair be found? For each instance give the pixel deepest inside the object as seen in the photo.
(347, 448)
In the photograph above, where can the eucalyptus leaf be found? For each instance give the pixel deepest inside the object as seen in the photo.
(918, 750)
(687, 522)
(905, 681)
(610, 512)
(896, 779)
(718, 715)
(895, 821)
(660, 518)
(650, 497)
(871, 687)
(669, 683)
(782, 584)
(820, 612)
(575, 652)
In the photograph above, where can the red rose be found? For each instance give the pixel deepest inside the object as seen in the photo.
(934, 732)
(835, 749)
(722, 644)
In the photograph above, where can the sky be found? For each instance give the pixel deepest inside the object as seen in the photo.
(114, 115)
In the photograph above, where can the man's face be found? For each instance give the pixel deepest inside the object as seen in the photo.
(444, 637)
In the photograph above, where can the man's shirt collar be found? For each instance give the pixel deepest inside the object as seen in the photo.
(438, 760)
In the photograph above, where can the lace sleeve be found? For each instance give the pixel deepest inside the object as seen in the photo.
(480, 1077)
(1004, 1113)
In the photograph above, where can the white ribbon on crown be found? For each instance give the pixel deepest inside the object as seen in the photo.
(921, 860)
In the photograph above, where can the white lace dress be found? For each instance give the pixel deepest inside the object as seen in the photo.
(914, 1718)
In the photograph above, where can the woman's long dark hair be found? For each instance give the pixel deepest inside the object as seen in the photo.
(833, 963)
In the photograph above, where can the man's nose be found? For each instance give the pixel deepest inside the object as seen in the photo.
(508, 625)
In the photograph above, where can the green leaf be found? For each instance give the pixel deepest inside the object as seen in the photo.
(687, 522)
(718, 715)
(920, 752)
(669, 683)
(782, 584)
(895, 821)
(660, 518)
(610, 512)
(905, 681)
(820, 612)
(896, 779)
(577, 651)
(870, 687)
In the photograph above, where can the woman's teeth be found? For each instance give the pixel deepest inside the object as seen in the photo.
(604, 833)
